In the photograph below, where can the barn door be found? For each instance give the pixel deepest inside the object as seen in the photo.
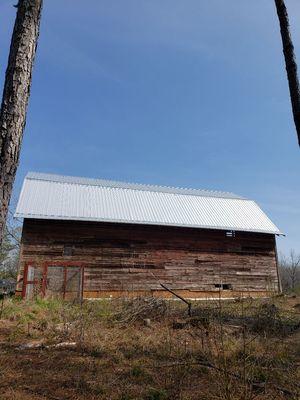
(33, 281)
(54, 286)
(73, 282)
(64, 282)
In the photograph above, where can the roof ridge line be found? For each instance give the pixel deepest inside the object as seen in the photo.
(130, 185)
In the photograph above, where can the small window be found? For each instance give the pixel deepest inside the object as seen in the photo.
(223, 286)
(230, 233)
(68, 251)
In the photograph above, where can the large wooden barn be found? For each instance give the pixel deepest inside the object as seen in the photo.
(94, 238)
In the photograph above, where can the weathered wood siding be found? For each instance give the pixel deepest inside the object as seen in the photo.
(136, 258)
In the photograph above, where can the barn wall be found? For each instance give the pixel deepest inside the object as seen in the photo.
(120, 258)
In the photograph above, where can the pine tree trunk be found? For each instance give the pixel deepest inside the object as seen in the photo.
(290, 62)
(15, 97)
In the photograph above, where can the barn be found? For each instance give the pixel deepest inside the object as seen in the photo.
(93, 238)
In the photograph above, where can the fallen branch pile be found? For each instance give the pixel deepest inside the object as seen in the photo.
(140, 308)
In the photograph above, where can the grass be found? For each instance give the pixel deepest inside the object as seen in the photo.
(234, 350)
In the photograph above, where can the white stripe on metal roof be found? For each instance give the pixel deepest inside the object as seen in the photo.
(70, 198)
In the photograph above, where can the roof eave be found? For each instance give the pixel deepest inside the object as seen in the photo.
(223, 228)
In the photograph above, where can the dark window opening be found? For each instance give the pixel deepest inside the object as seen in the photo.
(68, 250)
(253, 249)
(223, 286)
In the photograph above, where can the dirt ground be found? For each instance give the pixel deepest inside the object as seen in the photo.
(150, 349)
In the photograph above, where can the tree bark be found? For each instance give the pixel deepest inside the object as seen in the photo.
(15, 97)
(290, 62)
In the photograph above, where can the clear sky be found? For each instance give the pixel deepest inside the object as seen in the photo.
(184, 93)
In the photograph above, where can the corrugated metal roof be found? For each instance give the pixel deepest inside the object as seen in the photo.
(72, 198)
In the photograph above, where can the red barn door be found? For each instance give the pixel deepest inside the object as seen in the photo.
(60, 280)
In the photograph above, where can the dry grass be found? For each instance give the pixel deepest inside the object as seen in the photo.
(233, 350)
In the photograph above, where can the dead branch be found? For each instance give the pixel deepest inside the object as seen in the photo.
(254, 385)
(189, 304)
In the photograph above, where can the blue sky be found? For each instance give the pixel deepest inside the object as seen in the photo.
(184, 93)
